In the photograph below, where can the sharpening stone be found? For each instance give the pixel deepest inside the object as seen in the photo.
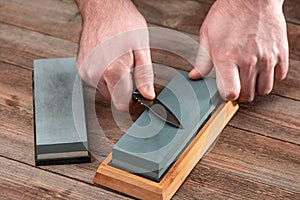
(60, 125)
(150, 146)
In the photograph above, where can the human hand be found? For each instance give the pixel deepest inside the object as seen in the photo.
(246, 41)
(114, 42)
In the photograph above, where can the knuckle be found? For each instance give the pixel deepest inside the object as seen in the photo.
(268, 61)
(266, 58)
(116, 71)
(250, 64)
(109, 71)
(86, 74)
(251, 61)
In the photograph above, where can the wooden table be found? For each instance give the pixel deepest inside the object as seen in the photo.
(256, 157)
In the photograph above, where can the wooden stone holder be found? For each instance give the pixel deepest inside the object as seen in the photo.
(143, 188)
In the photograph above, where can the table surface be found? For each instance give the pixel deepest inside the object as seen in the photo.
(256, 157)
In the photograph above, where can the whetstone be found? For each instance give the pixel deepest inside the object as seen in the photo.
(60, 126)
(139, 185)
(149, 147)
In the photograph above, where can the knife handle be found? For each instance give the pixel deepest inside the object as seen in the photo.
(141, 100)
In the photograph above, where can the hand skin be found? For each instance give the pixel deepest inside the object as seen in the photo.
(246, 42)
(106, 20)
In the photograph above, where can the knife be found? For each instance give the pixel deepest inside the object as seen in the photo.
(157, 108)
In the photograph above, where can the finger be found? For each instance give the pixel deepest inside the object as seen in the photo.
(102, 88)
(228, 80)
(281, 68)
(248, 76)
(121, 92)
(265, 82)
(203, 64)
(265, 76)
(118, 79)
(143, 73)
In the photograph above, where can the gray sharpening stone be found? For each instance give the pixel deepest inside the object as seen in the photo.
(60, 126)
(150, 146)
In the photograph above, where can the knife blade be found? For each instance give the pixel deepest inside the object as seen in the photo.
(157, 108)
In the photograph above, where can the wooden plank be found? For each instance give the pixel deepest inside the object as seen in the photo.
(271, 116)
(139, 187)
(57, 18)
(15, 88)
(291, 11)
(208, 183)
(20, 46)
(20, 181)
(259, 158)
(294, 42)
(181, 15)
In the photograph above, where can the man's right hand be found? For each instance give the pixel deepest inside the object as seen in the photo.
(115, 41)
(246, 41)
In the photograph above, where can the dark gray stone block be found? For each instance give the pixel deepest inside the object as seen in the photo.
(60, 126)
(150, 146)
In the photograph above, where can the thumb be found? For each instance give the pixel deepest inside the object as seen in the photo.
(143, 73)
(203, 63)
(228, 80)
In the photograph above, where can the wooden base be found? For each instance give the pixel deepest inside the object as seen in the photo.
(143, 188)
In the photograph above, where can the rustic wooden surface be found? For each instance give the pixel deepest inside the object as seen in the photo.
(256, 157)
